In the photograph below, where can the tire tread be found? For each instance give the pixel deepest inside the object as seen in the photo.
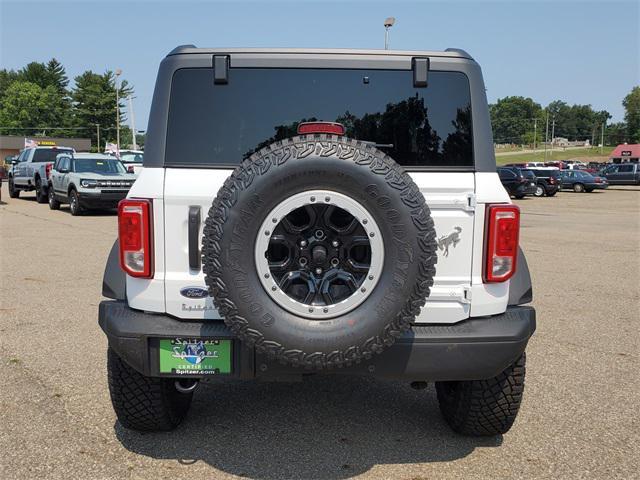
(483, 407)
(144, 403)
(274, 156)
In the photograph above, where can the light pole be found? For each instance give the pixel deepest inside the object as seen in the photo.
(118, 73)
(133, 123)
(388, 23)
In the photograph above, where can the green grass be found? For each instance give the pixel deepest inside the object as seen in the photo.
(582, 153)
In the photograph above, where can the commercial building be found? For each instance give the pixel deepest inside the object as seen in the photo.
(12, 144)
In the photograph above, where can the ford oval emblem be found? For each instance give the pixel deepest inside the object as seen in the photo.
(194, 292)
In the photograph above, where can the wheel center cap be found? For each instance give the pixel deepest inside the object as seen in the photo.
(319, 254)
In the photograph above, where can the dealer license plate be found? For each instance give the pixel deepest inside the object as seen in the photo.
(195, 356)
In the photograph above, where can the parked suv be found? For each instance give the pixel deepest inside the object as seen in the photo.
(622, 173)
(318, 212)
(516, 183)
(547, 181)
(88, 181)
(30, 171)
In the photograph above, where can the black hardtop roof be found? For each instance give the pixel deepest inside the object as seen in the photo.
(192, 49)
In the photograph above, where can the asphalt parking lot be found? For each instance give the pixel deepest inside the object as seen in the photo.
(580, 417)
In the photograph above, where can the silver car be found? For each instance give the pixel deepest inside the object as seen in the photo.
(88, 181)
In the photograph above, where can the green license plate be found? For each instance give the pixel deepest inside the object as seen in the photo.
(193, 356)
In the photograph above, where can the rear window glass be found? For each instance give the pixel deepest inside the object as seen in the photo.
(224, 124)
(48, 154)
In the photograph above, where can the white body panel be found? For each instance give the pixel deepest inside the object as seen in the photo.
(456, 200)
(185, 188)
(451, 198)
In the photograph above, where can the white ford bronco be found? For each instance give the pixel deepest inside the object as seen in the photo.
(318, 212)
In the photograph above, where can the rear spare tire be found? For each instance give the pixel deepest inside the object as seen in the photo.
(319, 251)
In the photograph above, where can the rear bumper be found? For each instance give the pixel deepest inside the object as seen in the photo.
(551, 189)
(473, 349)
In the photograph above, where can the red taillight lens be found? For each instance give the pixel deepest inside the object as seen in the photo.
(321, 127)
(501, 248)
(135, 236)
(552, 180)
(130, 169)
(47, 169)
(598, 180)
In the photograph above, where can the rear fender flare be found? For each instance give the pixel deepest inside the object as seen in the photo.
(520, 288)
(114, 280)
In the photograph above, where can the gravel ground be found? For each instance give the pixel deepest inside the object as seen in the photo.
(580, 417)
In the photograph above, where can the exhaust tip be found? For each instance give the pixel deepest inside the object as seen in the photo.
(186, 386)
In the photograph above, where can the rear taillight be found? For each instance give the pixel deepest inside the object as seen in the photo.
(47, 169)
(135, 236)
(552, 180)
(598, 180)
(130, 169)
(501, 247)
(321, 127)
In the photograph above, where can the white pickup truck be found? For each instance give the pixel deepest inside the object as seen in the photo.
(31, 171)
(318, 212)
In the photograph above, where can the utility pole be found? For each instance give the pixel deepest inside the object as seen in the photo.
(133, 123)
(553, 134)
(535, 133)
(118, 73)
(98, 135)
(593, 134)
(604, 124)
(546, 138)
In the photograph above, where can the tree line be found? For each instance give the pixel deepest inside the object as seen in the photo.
(37, 101)
(517, 119)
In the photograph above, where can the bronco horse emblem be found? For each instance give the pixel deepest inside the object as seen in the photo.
(446, 241)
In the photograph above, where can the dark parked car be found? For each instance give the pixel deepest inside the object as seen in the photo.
(580, 181)
(548, 181)
(622, 173)
(516, 183)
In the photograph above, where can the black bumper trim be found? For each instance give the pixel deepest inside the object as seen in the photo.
(100, 200)
(476, 348)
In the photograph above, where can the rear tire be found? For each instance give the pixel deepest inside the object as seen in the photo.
(552, 193)
(519, 196)
(143, 403)
(13, 191)
(483, 407)
(539, 191)
(578, 188)
(74, 204)
(53, 203)
(41, 197)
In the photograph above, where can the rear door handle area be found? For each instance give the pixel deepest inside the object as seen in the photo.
(194, 237)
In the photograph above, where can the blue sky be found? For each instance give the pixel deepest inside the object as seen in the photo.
(580, 52)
